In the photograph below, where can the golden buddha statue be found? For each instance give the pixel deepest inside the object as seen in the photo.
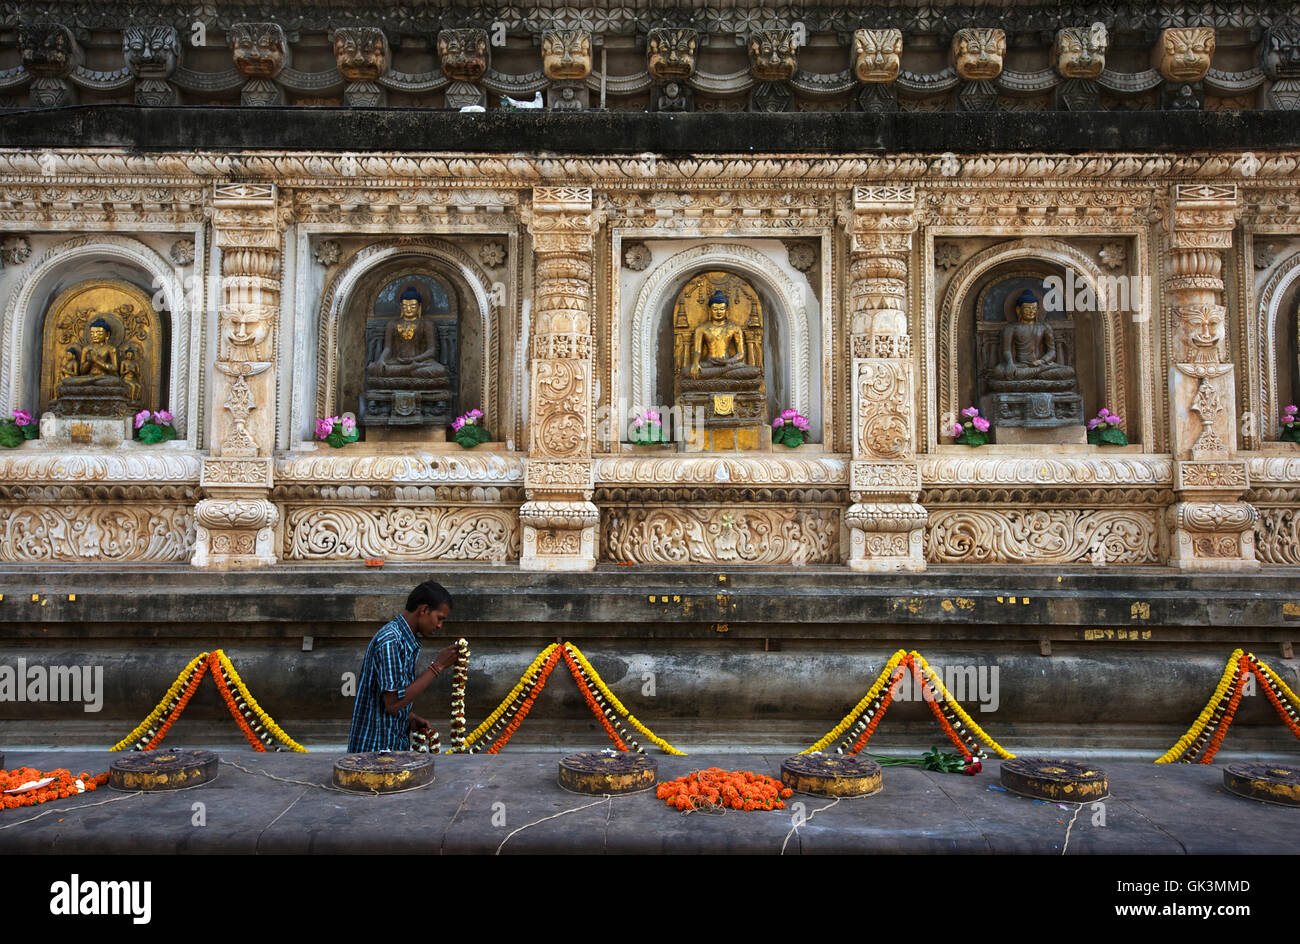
(98, 364)
(409, 358)
(718, 346)
(1029, 357)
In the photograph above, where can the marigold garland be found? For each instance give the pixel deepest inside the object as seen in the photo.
(1204, 738)
(258, 728)
(594, 677)
(715, 788)
(507, 703)
(521, 711)
(863, 719)
(65, 785)
(600, 713)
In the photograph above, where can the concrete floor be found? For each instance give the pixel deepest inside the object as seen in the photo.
(511, 804)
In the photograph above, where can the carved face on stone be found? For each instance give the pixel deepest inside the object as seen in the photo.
(877, 54)
(260, 50)
(463, 54)
(361, 53)
(977, 53)
(670, 53)
(566, 53)
(48, 50)
(151, 52)
(1279, 54)
(773, 55)
(1205, 327)
(1081, 51)
(1185, 53)
(247, 327)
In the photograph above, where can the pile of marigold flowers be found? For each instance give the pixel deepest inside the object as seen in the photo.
(716, 788)
(63, 786)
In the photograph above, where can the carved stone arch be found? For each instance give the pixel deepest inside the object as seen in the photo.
(337, 295)
(668, 279)
(21, 319)
(967, 280)
(1286, 274)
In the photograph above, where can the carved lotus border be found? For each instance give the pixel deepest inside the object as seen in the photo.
(489, 468)
(717, 470)
(86, 466)
(1144, 470)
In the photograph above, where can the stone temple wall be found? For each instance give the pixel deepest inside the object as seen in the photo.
(1190, 261)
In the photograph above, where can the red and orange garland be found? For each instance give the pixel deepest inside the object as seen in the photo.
(718, 789)
(1204, 738)
(258, 728)
(64, 785)
(863, 719)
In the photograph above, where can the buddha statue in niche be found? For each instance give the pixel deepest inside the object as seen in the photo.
(718, 363)
(94, 387)
(409, 358)
(1029, 359)
(406, 384)
(718, 347)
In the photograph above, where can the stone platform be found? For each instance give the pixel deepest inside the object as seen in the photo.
(485, 805)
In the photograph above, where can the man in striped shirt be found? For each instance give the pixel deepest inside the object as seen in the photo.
(382, 718)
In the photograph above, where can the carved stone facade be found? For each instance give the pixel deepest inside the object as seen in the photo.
(872, 280)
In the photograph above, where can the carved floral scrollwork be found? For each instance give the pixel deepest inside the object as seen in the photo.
(118, 533)
(722, 534)
(1041, 536)
(1277, 536)
(400, 533)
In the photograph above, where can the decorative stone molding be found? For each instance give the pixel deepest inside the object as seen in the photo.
(877, 55)
(87, 466)
(721, 534)
(417, 468)
(1042, 536)
(235, 532)
(667, 278)
(826, 470)
(1122, 470)
(559, 520)
(400, 533)
(101, 532)
(682, 213)
(1277, 536)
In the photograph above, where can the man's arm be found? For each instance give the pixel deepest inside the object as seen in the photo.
(393, 704)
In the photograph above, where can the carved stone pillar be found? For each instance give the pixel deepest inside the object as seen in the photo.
(886, 525)
(559, 520)
(1210, 528)
(236, 519)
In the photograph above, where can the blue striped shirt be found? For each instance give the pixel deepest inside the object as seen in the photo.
(389, 666)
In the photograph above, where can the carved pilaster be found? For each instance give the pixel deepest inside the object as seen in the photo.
(558, 519)
(1210, 528)
(886, 525)
(236, 520)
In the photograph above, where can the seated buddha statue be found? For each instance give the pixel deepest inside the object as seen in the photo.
(409, 360)
(718, 351)
(1028, 360)
(98, 364)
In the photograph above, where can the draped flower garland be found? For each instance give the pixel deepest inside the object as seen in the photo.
(1204, 738)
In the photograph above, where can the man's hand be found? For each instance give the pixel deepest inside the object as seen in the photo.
(418, 723)
(445, 658)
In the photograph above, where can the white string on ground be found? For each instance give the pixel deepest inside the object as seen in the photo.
(795, 828)
(282, 812)
(73, 809)
(1070, 826)
(301, 783)
(606, 797)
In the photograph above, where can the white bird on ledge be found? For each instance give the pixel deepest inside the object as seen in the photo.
(513, 103)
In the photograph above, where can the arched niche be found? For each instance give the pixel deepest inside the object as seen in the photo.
(1101, 363)
(790, 334)
(351, 298)
(1278, 328)
(88, 258)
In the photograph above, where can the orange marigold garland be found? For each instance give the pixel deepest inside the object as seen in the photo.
(64, 785)
(219, 676)
(180, 707)
(718, 789)
(520, 710)
(603, 714)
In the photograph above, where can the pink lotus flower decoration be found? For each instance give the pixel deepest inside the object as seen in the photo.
(22, 418)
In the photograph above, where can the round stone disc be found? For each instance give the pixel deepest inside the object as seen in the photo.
(1275, 783)
(162, 770)
(832, 775)
(1044, 778)
(383, 771)
(597, 773)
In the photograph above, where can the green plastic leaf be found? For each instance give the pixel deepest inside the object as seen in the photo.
(150, 433)
(30, 431)
(11, 436)
(1115, 436)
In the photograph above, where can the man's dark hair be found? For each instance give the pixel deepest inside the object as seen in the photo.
(429, 594)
